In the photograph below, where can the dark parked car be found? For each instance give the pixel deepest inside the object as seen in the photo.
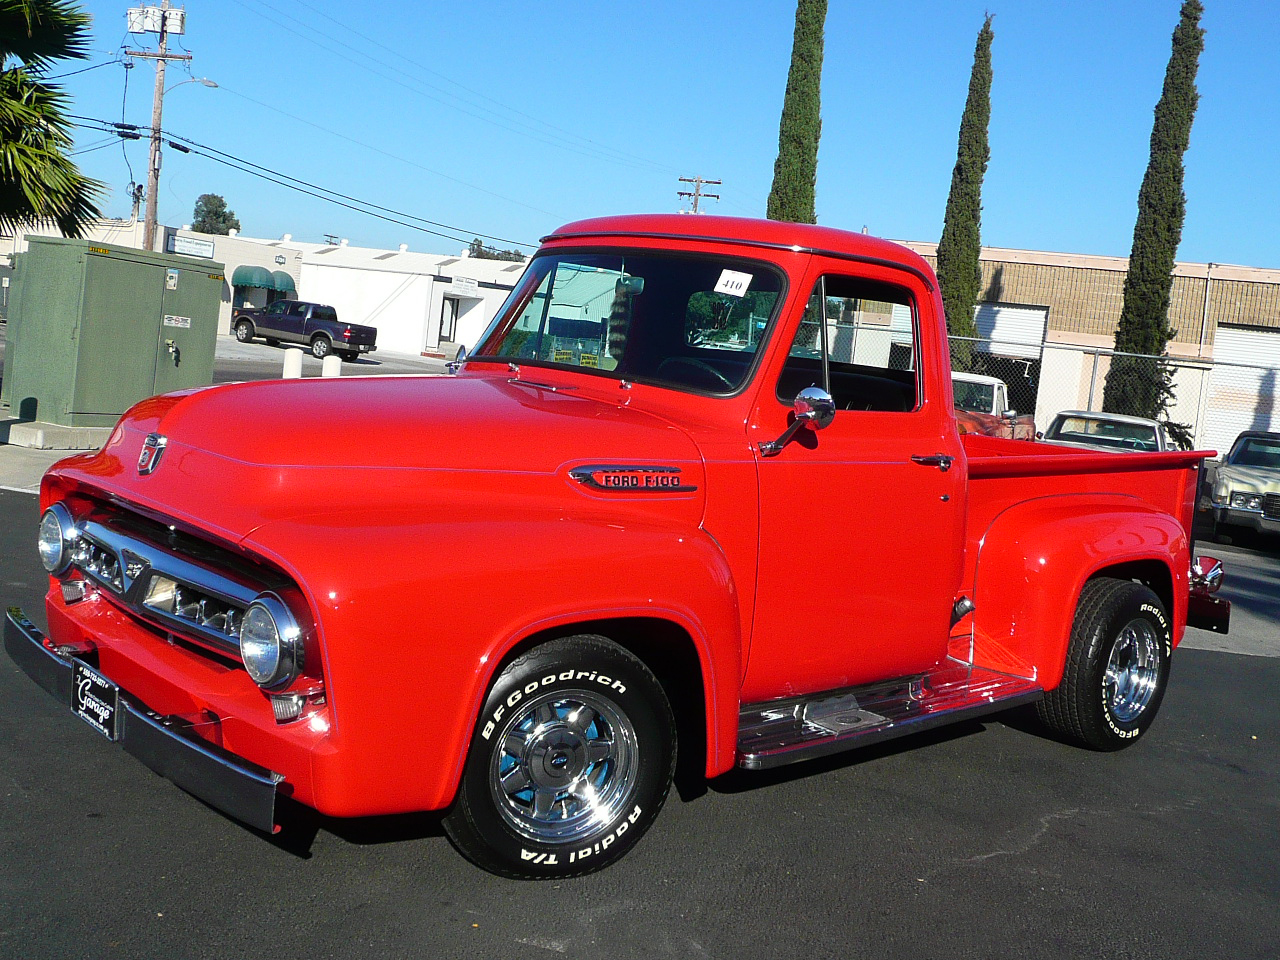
(314, 324)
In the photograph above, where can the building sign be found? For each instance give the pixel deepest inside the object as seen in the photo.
(466, 287)
(279, 260)
(190, 246)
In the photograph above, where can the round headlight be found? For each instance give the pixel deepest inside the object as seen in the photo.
(270, 642)
(57, 532)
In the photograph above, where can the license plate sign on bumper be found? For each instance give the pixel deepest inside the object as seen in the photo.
(95, 700)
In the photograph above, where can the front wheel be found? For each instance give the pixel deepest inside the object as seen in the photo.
(570, 762)
(244, 331)
(1117, 666)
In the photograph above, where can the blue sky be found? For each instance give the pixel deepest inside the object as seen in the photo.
(509, 119)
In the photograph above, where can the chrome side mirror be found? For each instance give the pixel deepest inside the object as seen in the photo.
(814, 409)
(456, 363)
(1206, 575)
(1010, 414)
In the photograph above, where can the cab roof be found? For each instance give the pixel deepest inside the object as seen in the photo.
(800, 237)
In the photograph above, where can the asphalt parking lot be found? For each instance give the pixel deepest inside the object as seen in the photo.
(982, 840)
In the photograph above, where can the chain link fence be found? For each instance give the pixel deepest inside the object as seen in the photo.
(1216, 401)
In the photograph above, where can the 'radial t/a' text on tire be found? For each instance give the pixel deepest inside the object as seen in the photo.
(1117, 666)
(571, 759)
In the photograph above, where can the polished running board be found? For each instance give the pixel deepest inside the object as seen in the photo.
(778, 732)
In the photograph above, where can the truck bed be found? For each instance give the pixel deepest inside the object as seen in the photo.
(1019, 490)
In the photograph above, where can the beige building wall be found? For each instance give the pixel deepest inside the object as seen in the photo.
(1084, 294)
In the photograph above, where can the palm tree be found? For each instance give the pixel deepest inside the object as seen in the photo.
(38, 182)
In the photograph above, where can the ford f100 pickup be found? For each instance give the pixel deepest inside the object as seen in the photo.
(699, 491)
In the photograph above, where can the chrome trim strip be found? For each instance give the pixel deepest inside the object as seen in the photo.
(226, 781)
(138, 562)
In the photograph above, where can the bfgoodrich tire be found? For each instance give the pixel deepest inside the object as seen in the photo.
(571, 759)
(1117, 666)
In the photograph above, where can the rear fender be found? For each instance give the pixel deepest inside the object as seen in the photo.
(1036, 556)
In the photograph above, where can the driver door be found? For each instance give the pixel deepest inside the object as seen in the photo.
(860, 544)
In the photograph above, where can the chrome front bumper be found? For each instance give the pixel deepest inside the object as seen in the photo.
(168, 745)
(1253, 519)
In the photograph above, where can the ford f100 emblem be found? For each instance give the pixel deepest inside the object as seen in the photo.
(631, 479)
(152, 448)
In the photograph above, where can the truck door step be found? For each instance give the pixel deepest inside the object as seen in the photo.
(778, 732)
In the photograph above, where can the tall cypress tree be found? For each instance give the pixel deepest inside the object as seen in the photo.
(1138, 386)
(959, 270)
(796, 169)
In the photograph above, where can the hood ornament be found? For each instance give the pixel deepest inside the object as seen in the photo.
(152, 449)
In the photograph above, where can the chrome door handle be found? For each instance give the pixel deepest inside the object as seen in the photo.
(939, 460)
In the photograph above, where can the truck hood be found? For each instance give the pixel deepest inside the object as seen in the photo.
(240, 455)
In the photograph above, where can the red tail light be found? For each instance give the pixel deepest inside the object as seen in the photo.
(346, 334)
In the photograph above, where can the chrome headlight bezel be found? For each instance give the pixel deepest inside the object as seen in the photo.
(1246, 500)
(286, 643)
(57, 517)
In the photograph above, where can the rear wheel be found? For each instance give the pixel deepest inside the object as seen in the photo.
(1117, 666)
(320, 347)
(244, 331)
(571, 760)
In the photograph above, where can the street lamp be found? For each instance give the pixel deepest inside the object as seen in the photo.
(205, 80)
(153, 165)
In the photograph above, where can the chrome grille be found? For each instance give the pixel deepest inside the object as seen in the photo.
(1271, 506)
(178, 593)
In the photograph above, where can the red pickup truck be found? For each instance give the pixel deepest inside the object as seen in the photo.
(699, 488)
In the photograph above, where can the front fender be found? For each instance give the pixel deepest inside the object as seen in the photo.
(1035, 557)
(414, 619)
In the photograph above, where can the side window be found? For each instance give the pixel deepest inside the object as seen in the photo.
(277, 308)
(858, 340)
(324, 313)
(298, 310)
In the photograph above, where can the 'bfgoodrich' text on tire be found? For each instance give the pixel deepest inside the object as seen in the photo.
(1117, 666)
(571, 759)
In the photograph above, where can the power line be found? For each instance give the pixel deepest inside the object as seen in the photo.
(422, 66)
(63, 76)
(417, 86)
(385, 153)
(187, 145)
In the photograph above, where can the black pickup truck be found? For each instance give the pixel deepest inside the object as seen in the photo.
(314, 324)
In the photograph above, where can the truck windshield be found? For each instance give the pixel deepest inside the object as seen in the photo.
(1256, 452)
(688, 322)
(1104, 433)
(974, 397)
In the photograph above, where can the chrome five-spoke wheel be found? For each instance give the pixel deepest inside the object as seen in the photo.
(565, 768)
(1133, 671)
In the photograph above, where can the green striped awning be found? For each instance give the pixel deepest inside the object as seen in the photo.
(283, 282)
(250, 276)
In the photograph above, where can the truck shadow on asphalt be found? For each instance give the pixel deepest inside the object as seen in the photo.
(300, 825)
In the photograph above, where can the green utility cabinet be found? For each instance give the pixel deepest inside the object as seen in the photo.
(94, 328)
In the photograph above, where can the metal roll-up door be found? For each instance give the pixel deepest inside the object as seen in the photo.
(1243, 388)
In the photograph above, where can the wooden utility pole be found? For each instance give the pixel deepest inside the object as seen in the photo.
(696, 193)
(157, 108)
